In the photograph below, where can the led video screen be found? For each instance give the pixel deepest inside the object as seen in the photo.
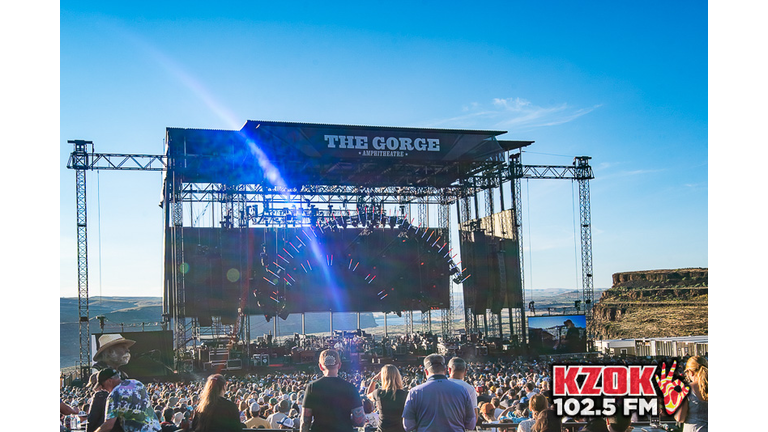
(558, 333)
(293, 270)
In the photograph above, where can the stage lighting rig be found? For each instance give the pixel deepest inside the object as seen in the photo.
(405, 225)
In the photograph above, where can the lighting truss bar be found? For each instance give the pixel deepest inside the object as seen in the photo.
(106, 161)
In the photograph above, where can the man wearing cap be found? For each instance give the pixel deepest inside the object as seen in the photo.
(128, 408)
(438, 404)
(255, 421)
(281, 412)
(330, 403)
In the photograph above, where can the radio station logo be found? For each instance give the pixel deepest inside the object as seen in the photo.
(604, 390)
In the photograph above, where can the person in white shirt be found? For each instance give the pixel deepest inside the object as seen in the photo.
(457, 369)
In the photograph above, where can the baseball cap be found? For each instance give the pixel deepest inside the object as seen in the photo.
(106, 374)
(287, 422)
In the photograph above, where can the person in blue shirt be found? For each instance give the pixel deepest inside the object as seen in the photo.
(438, 405)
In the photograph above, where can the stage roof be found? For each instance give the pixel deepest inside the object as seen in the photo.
(296, 154)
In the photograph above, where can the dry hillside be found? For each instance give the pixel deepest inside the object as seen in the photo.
(654, 303)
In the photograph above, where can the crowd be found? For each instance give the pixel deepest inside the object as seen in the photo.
(500, 392)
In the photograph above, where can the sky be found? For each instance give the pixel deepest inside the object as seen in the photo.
(624, 83)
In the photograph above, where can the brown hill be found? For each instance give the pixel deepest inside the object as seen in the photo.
(654, 303)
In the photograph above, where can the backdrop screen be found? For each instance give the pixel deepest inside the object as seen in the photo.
(295, 270)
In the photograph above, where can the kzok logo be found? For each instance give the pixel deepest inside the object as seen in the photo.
(604, 381)
(595, 390)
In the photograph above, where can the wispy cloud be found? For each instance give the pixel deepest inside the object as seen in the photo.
(628, 173)
(514, 114)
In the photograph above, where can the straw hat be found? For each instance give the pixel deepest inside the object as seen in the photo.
(109, 340)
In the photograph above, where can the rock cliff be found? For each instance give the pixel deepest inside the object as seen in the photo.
(654, 303)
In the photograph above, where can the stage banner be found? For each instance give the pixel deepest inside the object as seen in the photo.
(356, 142)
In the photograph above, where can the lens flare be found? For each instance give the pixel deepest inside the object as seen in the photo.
(233, 275)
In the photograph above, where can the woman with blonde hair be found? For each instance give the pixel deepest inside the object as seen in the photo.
(389, 399)
(537, 405)
(693, 411)
(214, 413)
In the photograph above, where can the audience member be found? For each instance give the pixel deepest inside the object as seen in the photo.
(167, 424)
(618, 423)
(438, 405)
(389, 399)
(536, 405)
(693, 412)
(215, 413)
(331, 403)
(128, 405)
(256, 422)
(457, 371)
(282, 409)
(97, 405)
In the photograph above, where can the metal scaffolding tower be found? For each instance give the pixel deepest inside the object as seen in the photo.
(82, 160)
(238, 199)
(581, 172)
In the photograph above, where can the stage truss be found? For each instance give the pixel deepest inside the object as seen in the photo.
(241, 206)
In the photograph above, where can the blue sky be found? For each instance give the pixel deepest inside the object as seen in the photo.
(624, 83)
